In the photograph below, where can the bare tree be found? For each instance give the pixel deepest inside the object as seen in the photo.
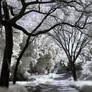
(72, 42)
(9, 23)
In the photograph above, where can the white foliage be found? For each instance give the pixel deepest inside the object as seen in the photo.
(17, 40)
(44, 45)
(70, 15)
(86, 68)
(41, 47)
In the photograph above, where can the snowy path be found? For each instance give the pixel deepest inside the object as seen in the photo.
(49, 83)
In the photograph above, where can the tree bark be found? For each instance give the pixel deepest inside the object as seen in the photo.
(4, 79)
(73, 70)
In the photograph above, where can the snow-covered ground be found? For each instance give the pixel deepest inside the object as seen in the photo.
(50, 83)
(67, 85)
(14, 88)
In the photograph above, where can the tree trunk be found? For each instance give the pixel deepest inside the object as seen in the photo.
(73, 70)
(74, 73)
(19, 58)
(4, 79)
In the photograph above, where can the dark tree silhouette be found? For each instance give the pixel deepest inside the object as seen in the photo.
(9, 23)
(72, 42)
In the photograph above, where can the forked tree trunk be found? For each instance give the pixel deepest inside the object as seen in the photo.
(4, 79)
